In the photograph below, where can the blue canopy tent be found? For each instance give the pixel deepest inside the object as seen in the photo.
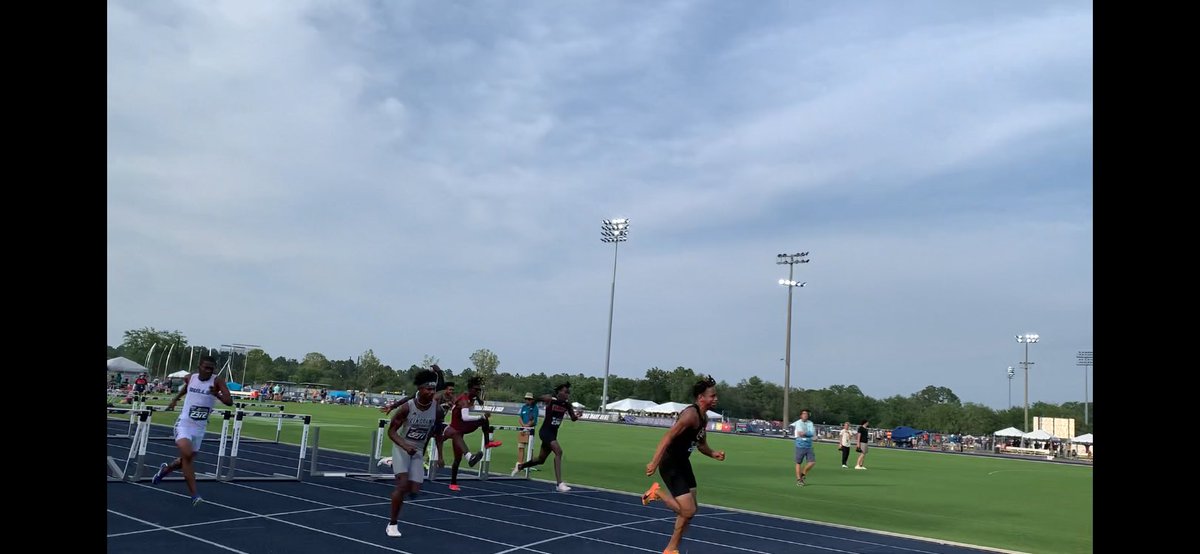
(233, 386)
(904, 434)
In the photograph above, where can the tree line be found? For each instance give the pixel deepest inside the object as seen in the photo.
(932, 408)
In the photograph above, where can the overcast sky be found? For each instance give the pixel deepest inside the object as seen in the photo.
(429, 178)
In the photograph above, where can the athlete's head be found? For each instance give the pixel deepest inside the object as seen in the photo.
(426, 382)
(563, 390)
(207, 366)
(705, 392)
(474, 387)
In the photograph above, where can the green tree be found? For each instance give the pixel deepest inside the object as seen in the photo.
(485, 363)
(149, 346)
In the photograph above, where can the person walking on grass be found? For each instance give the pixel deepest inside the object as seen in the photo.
(804, 448)
(199, 391)
(671, 460)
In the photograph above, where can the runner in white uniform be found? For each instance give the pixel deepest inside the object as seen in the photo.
(409, 430)
(199, 391)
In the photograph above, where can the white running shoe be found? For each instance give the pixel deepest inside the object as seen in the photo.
(393, 530)
(562, 487)
(859, 467)
(516, 469)
(843, 466)
(385, 462)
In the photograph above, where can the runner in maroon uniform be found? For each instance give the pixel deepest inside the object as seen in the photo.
(462, 423)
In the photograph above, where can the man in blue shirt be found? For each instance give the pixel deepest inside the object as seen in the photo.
(529, 416)
(804, 447)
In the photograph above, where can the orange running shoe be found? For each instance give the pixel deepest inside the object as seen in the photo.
(650, 495)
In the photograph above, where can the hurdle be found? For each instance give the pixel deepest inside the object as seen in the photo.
(137, 447)
(239, 418)
(278, 421)
(137, 451)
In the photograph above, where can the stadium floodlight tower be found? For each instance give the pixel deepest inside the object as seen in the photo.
(1011, 372)
(791, 260)
(1084, 358)
(1026, 339)
(615, 231)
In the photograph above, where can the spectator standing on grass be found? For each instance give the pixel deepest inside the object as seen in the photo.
(528, 417)
(845, 442)
(864, 437)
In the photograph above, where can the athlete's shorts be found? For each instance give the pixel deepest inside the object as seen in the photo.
(547, 437)
(185, 429)
(805, 454)
(469, 426)
(438, 427)
(677, 476)
(413, 465)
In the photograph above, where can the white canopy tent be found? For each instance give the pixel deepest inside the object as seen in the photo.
(1083, 439)
(1009, 432)
(629, 405)
(125, 365)
(666, 408)
(1039, 435)
(179, 374)
(714, 415)
(578, 406)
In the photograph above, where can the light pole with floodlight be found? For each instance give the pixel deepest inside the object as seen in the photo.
(615, 231)
(1011, 372)
(1026, 339)
(1084, 358)
(791, 260)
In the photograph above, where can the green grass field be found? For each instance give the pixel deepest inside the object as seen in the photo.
(1001, 503)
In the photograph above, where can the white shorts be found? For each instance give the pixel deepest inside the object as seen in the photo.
(413, 465)
(185, 429)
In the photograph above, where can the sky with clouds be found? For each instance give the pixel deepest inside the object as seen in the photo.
(429, 178)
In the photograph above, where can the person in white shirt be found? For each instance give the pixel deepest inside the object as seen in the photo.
(845, 441)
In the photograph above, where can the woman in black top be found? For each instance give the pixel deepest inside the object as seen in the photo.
(671, 460)
(862, 444)
(557, 408)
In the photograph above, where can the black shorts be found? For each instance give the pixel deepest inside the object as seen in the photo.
(438, 427)
(678, 476)
(547, 437)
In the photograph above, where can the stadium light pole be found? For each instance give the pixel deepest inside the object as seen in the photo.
(1026, 339)
(1084, 358)
(1011, 372)
(615, 231)
(791, 260)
